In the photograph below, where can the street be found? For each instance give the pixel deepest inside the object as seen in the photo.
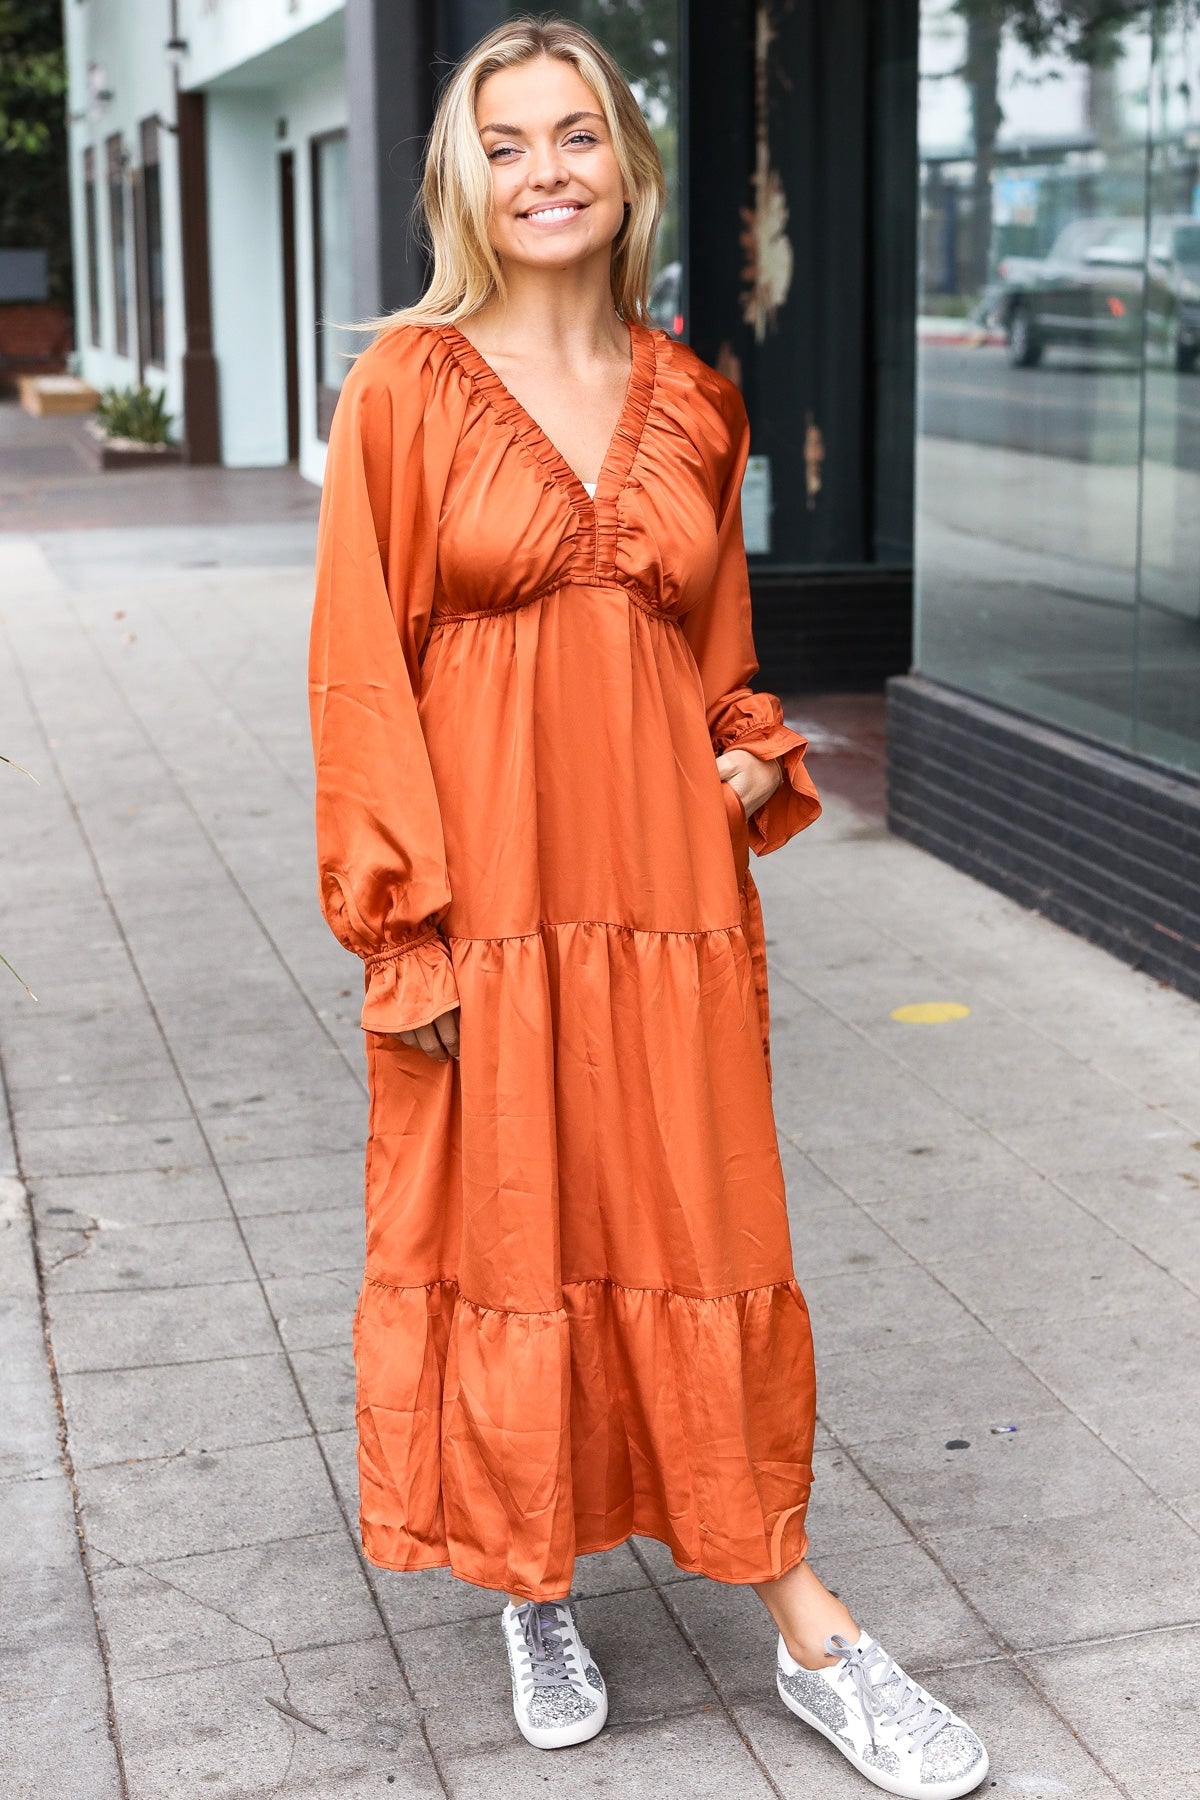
(995, 1222)
(1075, 405)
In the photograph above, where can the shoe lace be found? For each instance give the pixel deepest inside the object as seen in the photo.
(884, 1691)
(545, 1626)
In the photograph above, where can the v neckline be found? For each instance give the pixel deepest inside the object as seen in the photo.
(627, 433)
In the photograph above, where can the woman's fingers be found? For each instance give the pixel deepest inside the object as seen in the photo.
(752, 778)
(431, 1043)
(447, 1029)
(438, 1040)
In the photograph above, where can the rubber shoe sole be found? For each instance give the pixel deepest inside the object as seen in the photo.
(561, 1737)
(937, 1790)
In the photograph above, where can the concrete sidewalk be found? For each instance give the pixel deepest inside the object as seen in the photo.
(997, 1224)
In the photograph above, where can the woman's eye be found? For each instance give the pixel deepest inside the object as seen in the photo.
(581, 137)
(501, 150)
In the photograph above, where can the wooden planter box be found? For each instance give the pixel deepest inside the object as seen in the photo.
(103, 452)
(43, 395)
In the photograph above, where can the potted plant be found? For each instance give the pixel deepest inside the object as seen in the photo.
(130, 429)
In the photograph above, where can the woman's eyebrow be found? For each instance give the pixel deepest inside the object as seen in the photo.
(560, 124)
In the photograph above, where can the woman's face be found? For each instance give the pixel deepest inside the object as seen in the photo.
(558, 197)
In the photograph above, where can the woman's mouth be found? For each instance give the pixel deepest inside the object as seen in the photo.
(560, 214)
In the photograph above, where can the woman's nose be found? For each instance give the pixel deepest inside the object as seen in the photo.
(546, 167)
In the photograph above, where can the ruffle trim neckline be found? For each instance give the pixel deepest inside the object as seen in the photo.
(627, 434)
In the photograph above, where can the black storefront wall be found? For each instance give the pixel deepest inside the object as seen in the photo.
(801, 113)
(828, 372)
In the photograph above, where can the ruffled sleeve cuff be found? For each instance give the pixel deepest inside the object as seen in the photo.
(409, 984)
(754, 722)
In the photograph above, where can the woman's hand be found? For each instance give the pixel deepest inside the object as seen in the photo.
(752, 779)
(439, 1040)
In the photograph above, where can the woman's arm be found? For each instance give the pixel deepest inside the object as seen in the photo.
(721, 636)
(380, 850)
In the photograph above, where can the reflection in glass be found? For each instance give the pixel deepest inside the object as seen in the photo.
(334, 264)
(1058, 558)
(1167, 690)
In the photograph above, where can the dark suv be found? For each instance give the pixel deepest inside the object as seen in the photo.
(1088, 291)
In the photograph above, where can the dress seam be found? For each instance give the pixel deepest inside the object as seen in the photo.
(759, 728)
(789, 1283)
(632, 589)
(506, 937)
(379, 959)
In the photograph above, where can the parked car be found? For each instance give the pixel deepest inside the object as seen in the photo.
(666, 293)
(1088, 292)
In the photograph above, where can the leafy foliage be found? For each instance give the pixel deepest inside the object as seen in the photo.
(1085, 31)
(139, 413)
(34, 210)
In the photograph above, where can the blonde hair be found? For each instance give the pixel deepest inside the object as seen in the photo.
(455, 203)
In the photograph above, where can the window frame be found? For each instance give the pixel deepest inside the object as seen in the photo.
(118, 232)
(326, 396)
(156, 326)
(91, 228)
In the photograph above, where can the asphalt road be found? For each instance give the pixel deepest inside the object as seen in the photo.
(1077, 406)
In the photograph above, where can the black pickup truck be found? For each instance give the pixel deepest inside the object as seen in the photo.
(1093, 287)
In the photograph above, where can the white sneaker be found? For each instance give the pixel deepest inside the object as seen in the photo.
(885, 1723)
(558, 1693)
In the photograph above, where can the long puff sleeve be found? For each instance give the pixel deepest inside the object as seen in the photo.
(720, 633)
(380, 849)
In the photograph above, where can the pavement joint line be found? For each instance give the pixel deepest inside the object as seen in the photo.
(994, 995)
(1098, 1640)
(170, 1287)
(178, 1362)
(163, 619)
(930, 1270)
(273, 1652)
(185, 798)
(147, 1563)
(64, 1451)
(1008, 1651)
(727, 1707)
(185, 1451)
(441, 1623)
(169, 1050)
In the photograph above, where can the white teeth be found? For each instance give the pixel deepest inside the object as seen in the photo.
(553, 212)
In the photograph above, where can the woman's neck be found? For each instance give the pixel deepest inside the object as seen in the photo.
(567, 314)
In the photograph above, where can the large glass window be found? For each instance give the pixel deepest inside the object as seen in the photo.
(152, 200)
(1058, 465)
(90, 225)
(118, 226)
(332, 271)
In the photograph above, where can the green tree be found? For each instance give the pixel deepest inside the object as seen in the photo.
(34, 205)
(1083, 31)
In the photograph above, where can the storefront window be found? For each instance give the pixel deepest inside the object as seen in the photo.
(152, 201)
(92, 245)
(333, 271)
(118, 226)
(1058, 469)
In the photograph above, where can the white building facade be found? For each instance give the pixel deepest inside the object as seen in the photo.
(211, 213)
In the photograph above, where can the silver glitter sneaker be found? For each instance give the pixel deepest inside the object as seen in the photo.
(892, 1730)
(558, 1693)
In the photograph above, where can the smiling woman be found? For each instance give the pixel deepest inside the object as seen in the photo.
(541, 769)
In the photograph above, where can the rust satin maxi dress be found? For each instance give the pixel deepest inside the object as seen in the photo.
(579, 1317)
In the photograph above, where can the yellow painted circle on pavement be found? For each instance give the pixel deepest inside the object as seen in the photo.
(931, 1012)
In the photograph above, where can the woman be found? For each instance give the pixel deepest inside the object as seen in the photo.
(540, 769)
